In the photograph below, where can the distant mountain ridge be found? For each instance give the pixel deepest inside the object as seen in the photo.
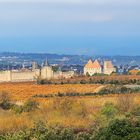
(17, 58)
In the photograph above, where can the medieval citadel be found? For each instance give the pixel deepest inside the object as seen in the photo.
(45, 72)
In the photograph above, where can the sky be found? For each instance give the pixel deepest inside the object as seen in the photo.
(84, 27)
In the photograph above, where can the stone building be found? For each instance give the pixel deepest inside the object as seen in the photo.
(92, 68)
(108, 67)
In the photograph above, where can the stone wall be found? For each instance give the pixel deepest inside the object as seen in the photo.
(17, 76)
(5, 76)
(22, 76)
(47, 72)
(30, 75)
(60, 75)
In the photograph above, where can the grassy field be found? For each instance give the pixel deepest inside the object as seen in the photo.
(77, 112)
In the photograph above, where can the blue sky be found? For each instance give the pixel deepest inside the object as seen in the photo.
(91, 27)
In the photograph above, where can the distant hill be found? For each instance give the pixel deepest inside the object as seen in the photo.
(19, 58)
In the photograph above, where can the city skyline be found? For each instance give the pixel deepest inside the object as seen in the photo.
(83, 27)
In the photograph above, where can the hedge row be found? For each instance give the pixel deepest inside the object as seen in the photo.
(111, 89)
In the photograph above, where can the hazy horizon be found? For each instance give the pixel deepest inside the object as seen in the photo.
(84, 27)
(39, 53)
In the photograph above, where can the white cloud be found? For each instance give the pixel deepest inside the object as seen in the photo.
(57, 14)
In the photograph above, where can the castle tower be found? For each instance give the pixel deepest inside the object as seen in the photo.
(108, 67)
(46, 63)
(34, 65)
(47, 71)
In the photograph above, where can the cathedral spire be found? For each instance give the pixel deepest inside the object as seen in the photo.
(46, 63)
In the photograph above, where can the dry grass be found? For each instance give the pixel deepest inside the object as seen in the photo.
(77, 112)
(13, 123)
(23, 91)
(74, 116)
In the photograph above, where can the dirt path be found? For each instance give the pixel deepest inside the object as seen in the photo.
(99, 88)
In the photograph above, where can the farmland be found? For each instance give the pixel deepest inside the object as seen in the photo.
(23, 91)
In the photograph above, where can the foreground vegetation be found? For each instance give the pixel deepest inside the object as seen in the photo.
(68, 118)
(69, 111)
(116, 130)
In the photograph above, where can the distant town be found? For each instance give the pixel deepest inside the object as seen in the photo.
(79, 64)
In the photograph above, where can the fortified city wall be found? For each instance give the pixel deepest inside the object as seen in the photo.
(5, 76)
(45, 72)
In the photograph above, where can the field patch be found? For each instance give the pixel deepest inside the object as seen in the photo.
(23, 91)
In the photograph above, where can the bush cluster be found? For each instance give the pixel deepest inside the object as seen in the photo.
(6, 104)
(122, 129)
(113, 89)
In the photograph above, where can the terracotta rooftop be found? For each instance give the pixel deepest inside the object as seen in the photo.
(89, 64)
(94, 64)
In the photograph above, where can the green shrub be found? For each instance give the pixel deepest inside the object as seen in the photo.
(17, 109)
(109, 110)
(136, 111)
(30, 105)
(5, 101)
(119, 130)
(83, 136)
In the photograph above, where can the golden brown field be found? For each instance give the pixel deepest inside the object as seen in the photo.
(78, 112)
(23, 91)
